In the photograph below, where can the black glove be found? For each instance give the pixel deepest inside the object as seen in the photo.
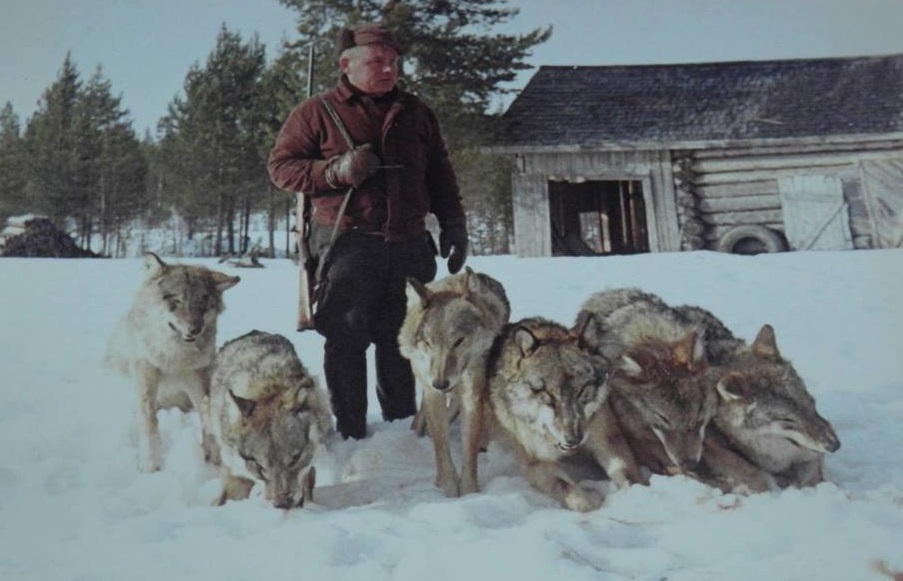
(453, 245)
(352, 167)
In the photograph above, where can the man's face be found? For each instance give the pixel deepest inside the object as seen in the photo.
(372, 68)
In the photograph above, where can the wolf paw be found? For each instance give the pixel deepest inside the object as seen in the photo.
(450, 487)
(469, 486)
(582, 501)
(148, 463)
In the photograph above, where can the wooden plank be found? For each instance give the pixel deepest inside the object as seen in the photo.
(739, 203)
(768, 187)
(532, 225)
(880, 148)
(786, 161)
(715, 233)
(884, 196)
(815, 213)
(762, 174)
(742, 218)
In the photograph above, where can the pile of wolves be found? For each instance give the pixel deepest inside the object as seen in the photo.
(633, 387)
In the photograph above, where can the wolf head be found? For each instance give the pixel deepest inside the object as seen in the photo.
(544, 386)
(450, 329)
(277, 437)
(766, 409)
(192, 295)
(664, 384)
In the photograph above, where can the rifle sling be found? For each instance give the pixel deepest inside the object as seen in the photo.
(341, 213)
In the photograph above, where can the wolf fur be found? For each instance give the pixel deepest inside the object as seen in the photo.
(664, 401)
(269, 418)
(447, 332)
(764, 431)
(166, 344)
(548, 398)
(661, 390)
(767, 419)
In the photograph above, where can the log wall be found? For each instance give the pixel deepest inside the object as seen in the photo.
(719, 189)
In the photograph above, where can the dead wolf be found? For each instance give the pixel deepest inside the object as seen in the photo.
(166, 343)
(447, 332)
(269, 418)
(764, 432)
(767, 420)
(548, 398)
(661, 392)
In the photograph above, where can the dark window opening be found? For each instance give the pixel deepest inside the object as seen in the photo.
(598, 218)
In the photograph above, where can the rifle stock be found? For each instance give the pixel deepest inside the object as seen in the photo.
(307, 266)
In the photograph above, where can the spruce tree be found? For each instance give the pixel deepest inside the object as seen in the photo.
(12, 164)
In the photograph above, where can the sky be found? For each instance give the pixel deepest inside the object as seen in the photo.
(145, 48)
(74, 507)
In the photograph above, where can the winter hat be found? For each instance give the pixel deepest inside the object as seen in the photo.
(364, 34)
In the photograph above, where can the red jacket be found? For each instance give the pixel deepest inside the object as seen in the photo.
(394, 201)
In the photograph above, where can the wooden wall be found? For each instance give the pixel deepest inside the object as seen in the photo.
(719, 189)
(532, 227)
(694, 196)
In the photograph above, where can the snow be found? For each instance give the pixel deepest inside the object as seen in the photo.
(73, 505)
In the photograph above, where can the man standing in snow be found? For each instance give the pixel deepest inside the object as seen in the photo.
(383, 144)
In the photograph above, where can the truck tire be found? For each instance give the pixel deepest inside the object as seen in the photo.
(751, 240)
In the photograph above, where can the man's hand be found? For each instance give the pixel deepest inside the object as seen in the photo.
(352, 167)
(453, 245)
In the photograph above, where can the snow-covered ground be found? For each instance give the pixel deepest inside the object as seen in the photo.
(73, 505)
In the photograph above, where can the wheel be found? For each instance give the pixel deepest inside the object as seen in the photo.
(751, 240)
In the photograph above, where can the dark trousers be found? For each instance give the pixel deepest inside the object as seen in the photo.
(364, 303)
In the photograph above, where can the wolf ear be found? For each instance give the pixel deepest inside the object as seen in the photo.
(224, 281)
(629, 366)
(526, 341)
(417, 292)
(765, 345)
(732, 388)
(586, 329)
(689, 351)
(245, 406)
(154, 265)
(471, 283)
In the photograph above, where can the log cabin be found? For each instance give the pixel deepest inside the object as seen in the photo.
(740, 157)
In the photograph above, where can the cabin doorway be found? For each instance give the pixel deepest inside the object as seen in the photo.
(598, 217)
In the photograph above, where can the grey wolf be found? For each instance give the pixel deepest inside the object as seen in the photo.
(269, 419)
(381, 233)
(447, 332)
(664, 401)
(764, 431)
(166, 343)
(548, 398)
(661, 391)
(767, 421)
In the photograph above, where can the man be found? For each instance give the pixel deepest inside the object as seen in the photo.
(399, 171)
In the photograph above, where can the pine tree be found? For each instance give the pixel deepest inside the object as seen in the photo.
(211, 139)
(50, 144)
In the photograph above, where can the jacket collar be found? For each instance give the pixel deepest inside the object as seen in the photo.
(348, 92)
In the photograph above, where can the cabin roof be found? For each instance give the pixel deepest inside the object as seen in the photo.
(607, 106)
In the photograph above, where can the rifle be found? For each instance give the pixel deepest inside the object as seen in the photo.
(307, 264)
(311, 268)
